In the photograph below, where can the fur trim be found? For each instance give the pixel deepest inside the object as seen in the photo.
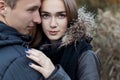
(82, 27)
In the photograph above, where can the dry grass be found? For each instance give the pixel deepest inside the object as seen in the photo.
(107, 43)
(107, 40)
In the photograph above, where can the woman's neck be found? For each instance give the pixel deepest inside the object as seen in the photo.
(53, 42)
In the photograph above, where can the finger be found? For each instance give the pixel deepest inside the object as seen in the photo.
(37, 53)
(39, 58)
(33, 52)
(36, 67)
(34, 58)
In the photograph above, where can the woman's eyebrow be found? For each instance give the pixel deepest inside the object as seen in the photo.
(61, 12)
(44, 12)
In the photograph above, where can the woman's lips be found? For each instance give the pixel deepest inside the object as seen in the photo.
(53, 32)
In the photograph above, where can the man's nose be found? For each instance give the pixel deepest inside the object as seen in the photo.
(37, 17)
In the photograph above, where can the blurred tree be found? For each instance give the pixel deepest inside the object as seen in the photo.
(93, 5)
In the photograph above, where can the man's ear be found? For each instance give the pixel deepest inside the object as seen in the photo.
(2, 8)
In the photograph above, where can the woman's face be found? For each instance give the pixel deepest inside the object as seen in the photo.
(54, 19)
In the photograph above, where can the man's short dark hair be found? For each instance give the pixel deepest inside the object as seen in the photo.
(11, 3)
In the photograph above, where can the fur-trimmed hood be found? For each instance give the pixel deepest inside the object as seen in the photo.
(83, 26)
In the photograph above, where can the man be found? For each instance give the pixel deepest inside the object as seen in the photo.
(17, 18)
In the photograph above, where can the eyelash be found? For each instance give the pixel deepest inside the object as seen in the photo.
(32, 9)
(45, 16)
(60, 16)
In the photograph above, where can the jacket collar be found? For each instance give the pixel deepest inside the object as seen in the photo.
(9, 35)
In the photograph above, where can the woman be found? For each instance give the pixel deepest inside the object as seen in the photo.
(66, 42)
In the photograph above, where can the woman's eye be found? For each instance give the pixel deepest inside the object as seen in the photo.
(45, 16)
(61, 16)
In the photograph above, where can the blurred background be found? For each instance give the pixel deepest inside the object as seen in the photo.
(107, 35)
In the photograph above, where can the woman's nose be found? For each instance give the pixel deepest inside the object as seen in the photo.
(53, 22)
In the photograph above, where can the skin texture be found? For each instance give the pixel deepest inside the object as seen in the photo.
(23, 17)
(54, 19)
(54, 24)
(45, 66)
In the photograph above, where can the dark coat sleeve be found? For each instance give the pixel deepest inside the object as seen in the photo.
(88, 66)
(59, 74)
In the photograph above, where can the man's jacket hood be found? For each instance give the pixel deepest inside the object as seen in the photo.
(13, 60)
(9, 36)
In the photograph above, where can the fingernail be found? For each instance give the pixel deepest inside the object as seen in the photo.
(27, 54)
(27, 49)
(30, 64)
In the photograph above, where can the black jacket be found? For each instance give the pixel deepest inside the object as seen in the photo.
(74, 62)
(73, 55)
(13, 63)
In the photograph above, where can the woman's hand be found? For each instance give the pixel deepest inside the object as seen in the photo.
(45, 66)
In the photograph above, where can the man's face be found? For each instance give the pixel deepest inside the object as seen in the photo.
(24, 16)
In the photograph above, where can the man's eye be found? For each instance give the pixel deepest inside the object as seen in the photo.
(32, 9)
(45, 16)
